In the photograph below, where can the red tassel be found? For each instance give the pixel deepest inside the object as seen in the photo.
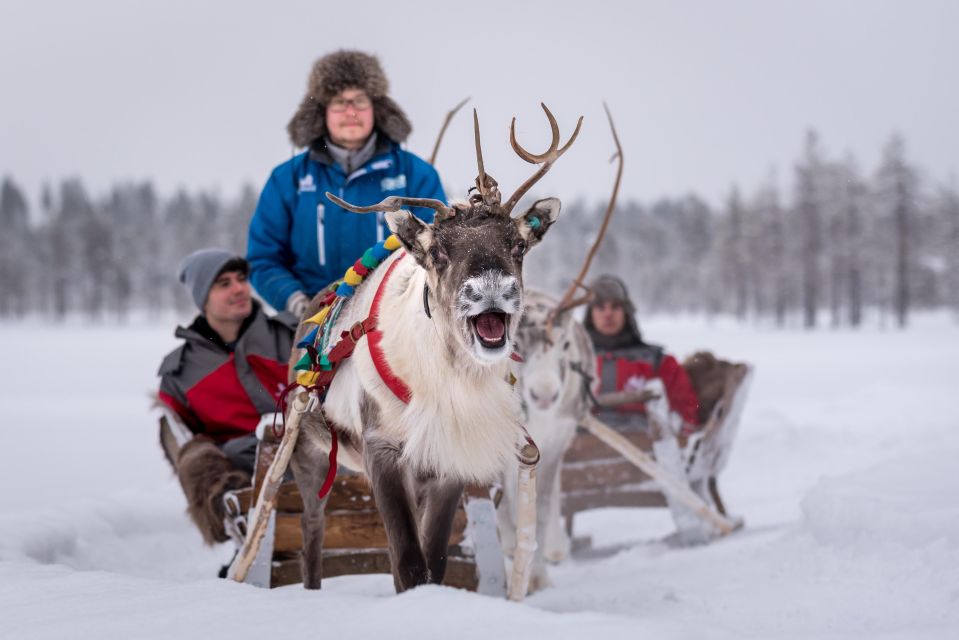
(331, 473)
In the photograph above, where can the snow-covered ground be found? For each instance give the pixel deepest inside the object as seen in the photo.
(844, 470)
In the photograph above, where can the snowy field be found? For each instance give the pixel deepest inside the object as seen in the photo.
(844, 470)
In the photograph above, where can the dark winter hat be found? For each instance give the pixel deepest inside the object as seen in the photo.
(332, 74)
(199, 269)
(608, 288)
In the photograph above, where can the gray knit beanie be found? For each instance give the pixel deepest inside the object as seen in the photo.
(199, 269)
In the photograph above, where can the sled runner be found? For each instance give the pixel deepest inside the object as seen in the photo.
(595, 475)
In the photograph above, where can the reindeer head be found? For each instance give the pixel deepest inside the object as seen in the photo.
(550, 357)
(473, 252)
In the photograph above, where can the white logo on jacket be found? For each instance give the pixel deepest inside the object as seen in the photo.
(393, 184)
(307, 184)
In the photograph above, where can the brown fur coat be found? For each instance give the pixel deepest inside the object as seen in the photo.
(205, 474)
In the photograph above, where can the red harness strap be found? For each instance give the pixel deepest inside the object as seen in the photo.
(375, 337)
(343, 350)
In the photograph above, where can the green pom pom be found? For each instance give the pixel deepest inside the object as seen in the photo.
(325, 364)
(368, 260)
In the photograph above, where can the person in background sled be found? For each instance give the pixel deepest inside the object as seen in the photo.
(222, 382)
(299, 241)
(626, 362)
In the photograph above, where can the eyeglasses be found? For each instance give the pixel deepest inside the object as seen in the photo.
(359, 103)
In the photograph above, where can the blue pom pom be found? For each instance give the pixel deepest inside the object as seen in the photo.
(379, 251)
(344, 290)
(308, 339)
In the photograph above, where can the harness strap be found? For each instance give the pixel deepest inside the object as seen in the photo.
(374, 339)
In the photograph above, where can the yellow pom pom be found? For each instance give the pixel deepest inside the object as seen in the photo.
(307, 378)
(352, 278)
(320, 316)
(392, 243)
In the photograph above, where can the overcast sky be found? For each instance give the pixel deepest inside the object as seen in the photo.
(198, 94)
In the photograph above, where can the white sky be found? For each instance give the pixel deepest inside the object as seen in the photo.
(704, 93)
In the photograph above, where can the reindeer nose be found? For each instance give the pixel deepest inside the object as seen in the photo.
(541, 400)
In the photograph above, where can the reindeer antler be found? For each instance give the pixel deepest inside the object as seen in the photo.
(489, 194)
(393, 203)
(567, 301)
(446, 123)
(545, 159)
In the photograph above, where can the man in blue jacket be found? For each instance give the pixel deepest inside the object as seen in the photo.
(299, 241)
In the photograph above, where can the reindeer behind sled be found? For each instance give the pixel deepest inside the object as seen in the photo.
(422, 403)
(577, 471)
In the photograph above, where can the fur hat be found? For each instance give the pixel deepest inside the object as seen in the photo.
(332, 74)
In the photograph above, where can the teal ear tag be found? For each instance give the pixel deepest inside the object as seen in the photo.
(534, 223)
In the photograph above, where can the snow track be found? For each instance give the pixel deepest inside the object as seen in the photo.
(844, 470)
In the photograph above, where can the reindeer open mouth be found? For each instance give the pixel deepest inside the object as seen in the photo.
(489, 328)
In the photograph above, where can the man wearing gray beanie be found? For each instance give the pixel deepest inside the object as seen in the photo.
(222, 382)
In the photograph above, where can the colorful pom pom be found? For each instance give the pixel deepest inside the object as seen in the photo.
(352, 278)
(360, 268)
(379, 251)
(345, 290)
(368, 260)
(392, 243)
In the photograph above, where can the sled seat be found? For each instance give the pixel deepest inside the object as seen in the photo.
(595, 476)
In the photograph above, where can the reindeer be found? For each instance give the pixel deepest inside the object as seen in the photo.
(553, 399)
(448, 307)
(557, 353)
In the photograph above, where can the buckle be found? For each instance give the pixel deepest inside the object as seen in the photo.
(362, 332)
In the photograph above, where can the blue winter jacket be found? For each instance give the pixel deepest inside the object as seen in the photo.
(300, 241)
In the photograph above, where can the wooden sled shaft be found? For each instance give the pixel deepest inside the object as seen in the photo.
(266, 501)
(674, 486)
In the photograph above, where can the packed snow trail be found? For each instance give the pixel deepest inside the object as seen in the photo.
(843, 470)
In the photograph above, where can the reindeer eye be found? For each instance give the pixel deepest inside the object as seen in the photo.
(566, 345)
(439, 257)
(519, 249)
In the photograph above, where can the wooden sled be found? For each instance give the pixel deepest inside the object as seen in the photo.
(594, 475)
(354, 537)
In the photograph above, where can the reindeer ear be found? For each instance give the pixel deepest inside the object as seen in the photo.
(533, 224)
(416, 235)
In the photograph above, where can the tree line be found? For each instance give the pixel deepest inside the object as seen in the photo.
(839, 246)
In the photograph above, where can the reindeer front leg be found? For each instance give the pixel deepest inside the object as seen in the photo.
(310, 463)
(397, 509)
(438, 502)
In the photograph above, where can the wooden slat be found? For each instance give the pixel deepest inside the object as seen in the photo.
(601, 475)
(460, 570)
(586, 446)
(349, 492)
(348, 530)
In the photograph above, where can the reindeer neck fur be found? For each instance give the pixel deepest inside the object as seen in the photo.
(463, 420)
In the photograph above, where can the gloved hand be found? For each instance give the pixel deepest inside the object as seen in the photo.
(297, 303)
(266, 422)
(658, 408)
